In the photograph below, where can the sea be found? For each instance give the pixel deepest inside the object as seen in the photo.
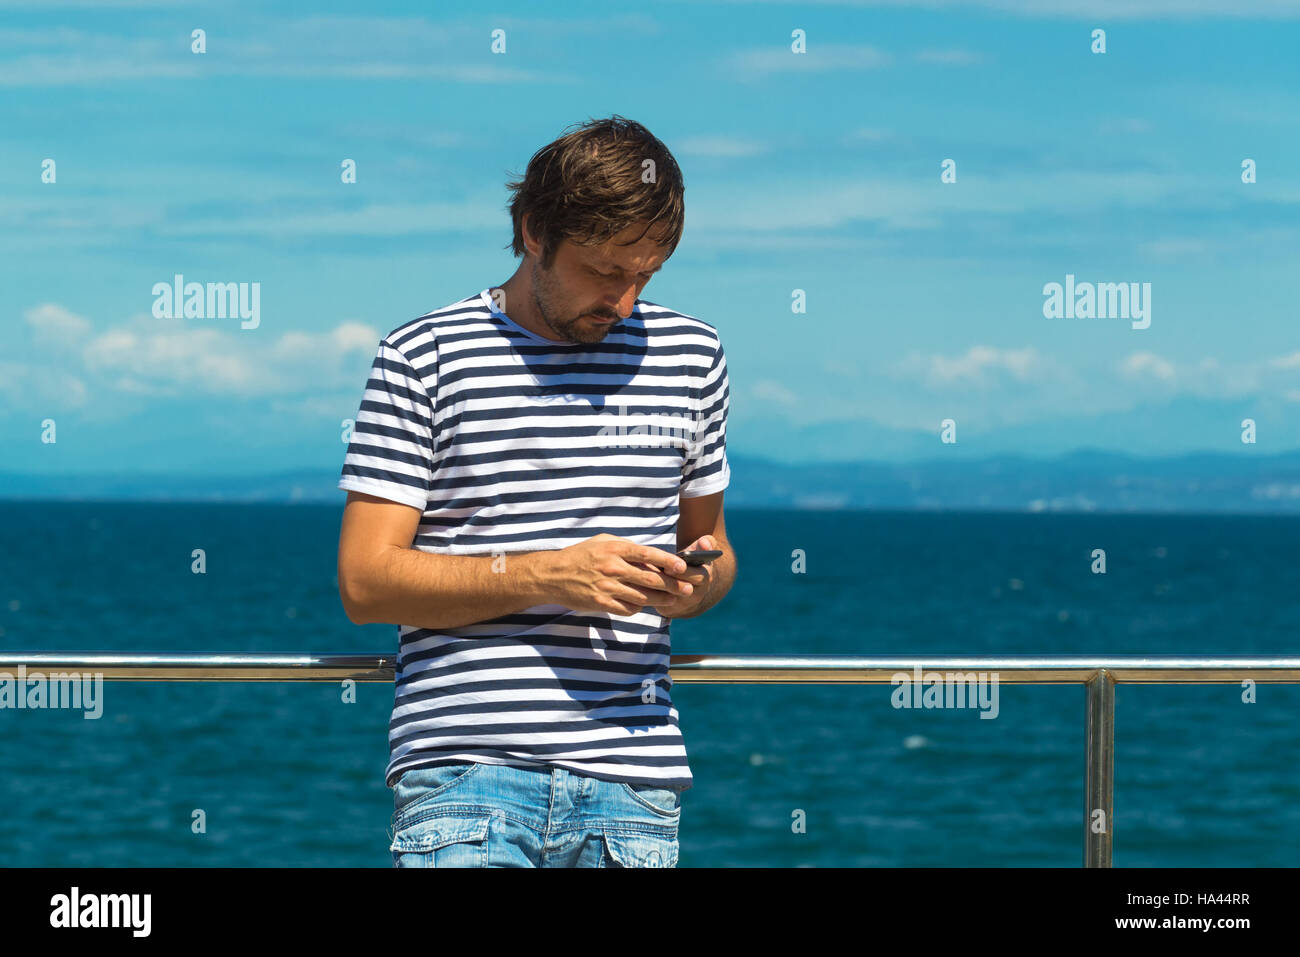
(291, 774)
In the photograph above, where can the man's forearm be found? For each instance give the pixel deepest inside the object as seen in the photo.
(426, 590)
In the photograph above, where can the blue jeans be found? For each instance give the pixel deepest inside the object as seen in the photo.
(490, 815)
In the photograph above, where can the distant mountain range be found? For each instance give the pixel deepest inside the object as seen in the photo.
(1078, 481)
(1171, 428)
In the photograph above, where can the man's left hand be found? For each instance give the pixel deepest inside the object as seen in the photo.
(698, 576)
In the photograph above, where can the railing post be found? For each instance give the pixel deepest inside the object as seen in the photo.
(1099, 774)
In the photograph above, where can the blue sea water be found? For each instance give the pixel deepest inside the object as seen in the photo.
(290, 775)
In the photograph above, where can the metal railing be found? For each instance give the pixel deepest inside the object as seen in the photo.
(1098, 675)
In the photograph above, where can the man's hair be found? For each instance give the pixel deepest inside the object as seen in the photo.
(587, 186)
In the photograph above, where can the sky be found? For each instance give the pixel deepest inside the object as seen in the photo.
(820, 171)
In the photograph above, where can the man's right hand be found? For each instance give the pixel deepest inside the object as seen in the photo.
(605, 573)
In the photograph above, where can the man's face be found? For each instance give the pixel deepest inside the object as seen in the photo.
(589, 288)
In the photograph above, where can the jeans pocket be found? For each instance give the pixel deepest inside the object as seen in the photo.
(420, 786)
(665, 802)
(450, 840)
(639, 849)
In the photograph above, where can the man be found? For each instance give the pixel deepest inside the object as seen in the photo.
(524, 467)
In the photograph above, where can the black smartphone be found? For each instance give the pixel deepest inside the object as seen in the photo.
(700, 556)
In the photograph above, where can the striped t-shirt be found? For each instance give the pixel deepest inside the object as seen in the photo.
(508, 442)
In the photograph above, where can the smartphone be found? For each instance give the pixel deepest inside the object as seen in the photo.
(701, 556)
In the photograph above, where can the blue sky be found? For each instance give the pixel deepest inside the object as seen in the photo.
(817, 171)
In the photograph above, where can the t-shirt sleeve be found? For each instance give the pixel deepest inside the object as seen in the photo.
(706, 470)
(391, 452)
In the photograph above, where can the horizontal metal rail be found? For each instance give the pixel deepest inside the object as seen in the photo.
(747, 669)
(1098, 675)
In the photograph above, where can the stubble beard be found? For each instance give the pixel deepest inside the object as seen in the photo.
(545, 295)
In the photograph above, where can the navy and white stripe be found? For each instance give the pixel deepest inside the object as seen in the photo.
(508, 442)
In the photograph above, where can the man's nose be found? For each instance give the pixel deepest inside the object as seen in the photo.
(626, 302)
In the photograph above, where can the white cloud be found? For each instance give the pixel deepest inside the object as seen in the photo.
(375, 219)
(69, 363)
(1286, 362)
(768, 390)
(1090, 10)
(1210, 377)
(342, 339)
(820, 58)
(908, 203)
(51, 323)
(979, 365)
(183, 357)
(1093, 10)
(43, 390)
(1147, 365)
(950, 57)
(84, 71)
(358, 47)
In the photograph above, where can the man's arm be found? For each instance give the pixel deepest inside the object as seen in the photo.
(383, 579)
(700, 525)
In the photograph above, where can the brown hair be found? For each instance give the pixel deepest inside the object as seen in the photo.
(586, 187)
